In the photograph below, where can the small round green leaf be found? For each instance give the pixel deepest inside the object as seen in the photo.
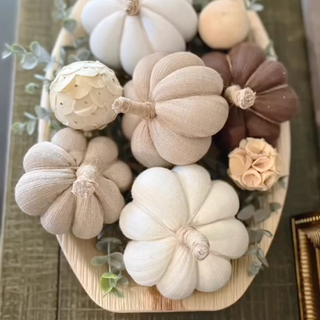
(105, 285)
(83, 54)
(73, 58)
(246, 213)
(70, 25)
(254, 236)
(30, 116)
(6, 54)
(16, 48)
(18, 127)
(123, 281)
(29, 61)
(31, 127)
(254, 268)
(117, 293)
(109, 275)
(262, 258)
(262, 214)
(99, 261)
(35, 48)
(32, 88)
(275, 206)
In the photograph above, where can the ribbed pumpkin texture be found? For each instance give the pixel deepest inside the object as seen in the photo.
(184, 231)
(122, 32)
(179, 105)
(258, 94)
(72, 184)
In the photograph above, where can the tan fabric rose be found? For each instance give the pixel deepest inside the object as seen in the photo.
(255, 165)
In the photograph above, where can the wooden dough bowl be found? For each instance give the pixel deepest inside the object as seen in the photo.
(144, 299)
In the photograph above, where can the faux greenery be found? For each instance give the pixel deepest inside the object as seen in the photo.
(36, 56)
(112, 247)
(256, 209)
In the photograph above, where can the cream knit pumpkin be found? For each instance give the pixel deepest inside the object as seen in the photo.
(73, 184)
(178, 100)
(184, 231)
(122, 32)
(82, 94)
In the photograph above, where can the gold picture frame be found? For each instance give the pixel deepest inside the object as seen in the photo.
(306, 239)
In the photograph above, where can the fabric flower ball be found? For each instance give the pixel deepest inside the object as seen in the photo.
(82, 94)
(255, 165)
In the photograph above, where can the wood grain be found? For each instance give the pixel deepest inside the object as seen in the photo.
(29, 256)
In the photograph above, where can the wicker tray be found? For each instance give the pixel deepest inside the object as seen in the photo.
(143, 299)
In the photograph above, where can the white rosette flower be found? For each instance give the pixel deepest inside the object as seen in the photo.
(82, 94)
(184, 231)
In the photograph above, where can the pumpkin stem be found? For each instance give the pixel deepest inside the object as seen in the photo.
(195, 241)
(144, 110)
(86, 184)
(133, 7)
(242, 98)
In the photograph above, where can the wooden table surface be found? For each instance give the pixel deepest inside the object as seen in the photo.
(36, 281)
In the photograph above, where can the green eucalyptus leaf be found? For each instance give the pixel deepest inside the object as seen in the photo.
(262, 214)
(254, 236)
(105, 285)
(252, 251)
(246, 213)
(29, 61)
(266, 233)
(117, 293)
(261, 256)
(8, 47)
(56, 15)
(102, 245)
(73, 58)
(35, 48)
(63, 54)
(16, 48)
(69, 11)
(45, 56)
(123, 281)
(83, 54)
(40, 77)
(99, 261)
(30, 116)
(81, 41)
(68, 48)
(109, 275)
(43, 113)
(31, 126)
(257, 7)
(254, 268)
(60, 5)
(18, 127)
(32, 88)
(6, 54)
(70, 25)
(275, 206)
(49, 65)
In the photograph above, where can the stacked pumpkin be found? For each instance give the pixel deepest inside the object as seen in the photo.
(182, 224)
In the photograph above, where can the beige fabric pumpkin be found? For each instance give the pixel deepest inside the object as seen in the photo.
(184, 231)
(179, 101)
(73, 184)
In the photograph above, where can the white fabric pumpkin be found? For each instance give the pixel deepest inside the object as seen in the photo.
(122, 32)
(184, 231)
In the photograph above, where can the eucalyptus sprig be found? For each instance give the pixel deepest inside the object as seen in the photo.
(112, 279)
(31, 122)
(253, 5)
(257, 209)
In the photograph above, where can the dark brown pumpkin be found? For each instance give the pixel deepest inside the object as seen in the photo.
(258, 94)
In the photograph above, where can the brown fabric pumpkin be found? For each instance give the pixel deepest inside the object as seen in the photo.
(73, 184)
(179, 102)
(258, 94)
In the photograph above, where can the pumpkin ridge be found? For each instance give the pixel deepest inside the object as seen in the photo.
(263, 117)
(145, 33)
(282, 86)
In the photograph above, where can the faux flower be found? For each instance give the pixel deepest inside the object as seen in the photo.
(82, 95)
(255, 165)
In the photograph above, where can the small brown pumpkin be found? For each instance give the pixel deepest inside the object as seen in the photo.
(258, 94)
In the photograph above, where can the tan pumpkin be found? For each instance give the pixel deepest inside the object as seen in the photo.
(178, 100)
(73, 184)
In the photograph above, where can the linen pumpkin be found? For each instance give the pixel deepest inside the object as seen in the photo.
(122, 32)
(178, 100)
(258, 94)
(72, 184)
(184, 231)
(224, 24)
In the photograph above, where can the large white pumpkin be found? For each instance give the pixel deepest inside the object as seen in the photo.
(122, 32)
(184, 231)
